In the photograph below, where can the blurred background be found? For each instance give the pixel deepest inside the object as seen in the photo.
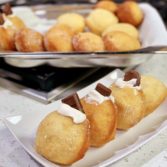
(160, 5)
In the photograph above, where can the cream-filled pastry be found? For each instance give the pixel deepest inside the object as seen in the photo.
(12, 24)
(63, 136)
(129, 99)
(101, 111)
(15, 22)
(6, 42)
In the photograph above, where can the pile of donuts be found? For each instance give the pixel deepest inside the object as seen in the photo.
(65, 135)
(108, 27)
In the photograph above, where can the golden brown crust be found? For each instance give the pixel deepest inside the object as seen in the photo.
(6, 42)
(86, 144)
(87, 42)
(102, 120)
(107, 5)
(73, 20)
(28, 40)
(60, 140)
(130, 12)
(120, 41)
(130, 104)
(155, 93)
(123, 27)
(59, 38)
(16, 25)
(99, 19)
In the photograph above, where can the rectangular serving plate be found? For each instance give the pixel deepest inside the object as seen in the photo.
(149, 36)
(24, 127)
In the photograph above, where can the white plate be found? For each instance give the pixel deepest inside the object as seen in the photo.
(149, 35)
(24, 127)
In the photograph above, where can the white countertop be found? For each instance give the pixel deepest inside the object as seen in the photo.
(13, 155)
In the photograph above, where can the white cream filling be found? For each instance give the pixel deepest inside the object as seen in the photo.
(94, 97)
(76, 115)
(7, 23)
(121, 83)
(12, 15)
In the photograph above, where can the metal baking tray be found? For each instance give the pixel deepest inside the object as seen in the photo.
(153, 42)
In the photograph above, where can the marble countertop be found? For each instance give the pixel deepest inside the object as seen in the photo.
(13, 155)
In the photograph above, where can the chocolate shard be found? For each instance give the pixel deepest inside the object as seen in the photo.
(103, 90)
(132, 75)
(6, 9)
(1, 19)
(73, 101)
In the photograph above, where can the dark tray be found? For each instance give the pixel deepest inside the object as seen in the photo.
(46, 78)
(43, 78)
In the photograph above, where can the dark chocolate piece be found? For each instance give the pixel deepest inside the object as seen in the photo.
(73, 101)
(6, 9)
(1, 19)
(103, 90)
(132, 75)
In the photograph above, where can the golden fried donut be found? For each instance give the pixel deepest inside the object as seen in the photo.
(16, 25)
(119, 41)
(59, 38)
(130, 12)
(123, 27)
(99, 19)
(60, 140)
(28, 40)
(11, 28)
(6, 44)
(107, 5)
(87, 42)
(130, 105)
(75, 21)
(154, 91)
(11, 23)
(103, 121)
(100, 109)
